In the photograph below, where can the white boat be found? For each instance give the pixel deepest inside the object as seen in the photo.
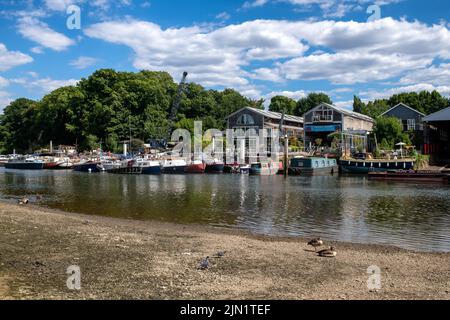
(148, 166)
(174, 166)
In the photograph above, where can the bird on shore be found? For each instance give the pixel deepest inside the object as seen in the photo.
(220, 254)
(328, 253)
(23, 201)
(204, 264)
(317, 242)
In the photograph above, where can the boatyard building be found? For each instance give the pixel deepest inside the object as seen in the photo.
(437, 136)
(327, 122)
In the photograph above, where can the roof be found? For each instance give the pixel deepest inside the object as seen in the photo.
(270, 114)
(346, 112)
(402, 105)
(443, 115)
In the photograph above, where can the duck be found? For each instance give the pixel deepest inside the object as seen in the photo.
(317, 242)
(220, 254)
(328, 253)
(204, 264)
(23, 201)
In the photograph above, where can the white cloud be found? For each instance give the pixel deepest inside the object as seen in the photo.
(438, 75)
(39, 32)
(5, 97)
(83, 62)
(37, 50)
(345, 52)
(296, 95)
(11, 59)
(60, 5)
(44, 85)
(223, 16)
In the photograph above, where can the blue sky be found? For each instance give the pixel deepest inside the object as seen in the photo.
(260, 47)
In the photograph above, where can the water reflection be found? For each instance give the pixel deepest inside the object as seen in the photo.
(337, 208)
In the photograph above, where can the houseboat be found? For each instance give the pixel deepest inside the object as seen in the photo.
(375, 165)
(264, 168)
(25, 164)
(197, 166)
(313, 166)
(411, 176)
(174, 166)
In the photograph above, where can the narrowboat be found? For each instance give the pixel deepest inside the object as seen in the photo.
(25, 164)
(215, 167)
(313, 166)
(411, 176)
(377, 165)
(149, 166)
(88, 166)
(197, 166)
(264, 168)
(174, 166)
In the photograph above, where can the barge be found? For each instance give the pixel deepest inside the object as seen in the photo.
(313, 166)
(375, 165)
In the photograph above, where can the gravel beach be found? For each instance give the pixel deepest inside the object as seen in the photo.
(129, 259)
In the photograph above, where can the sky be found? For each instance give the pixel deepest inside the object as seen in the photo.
(262, 48)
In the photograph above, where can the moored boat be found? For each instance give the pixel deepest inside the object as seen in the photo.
(215, 167)
(311, 166)
(174, 167)
(196, 166)
(231, 168)
(264, 168)
(244, 169)
(88, 166)
(375, 165)
(411, 176)
(148, 166)
(25, 164)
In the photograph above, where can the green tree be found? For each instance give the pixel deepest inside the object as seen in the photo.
(389, 131)
(310, 102)
(282, 103)
(358, 105)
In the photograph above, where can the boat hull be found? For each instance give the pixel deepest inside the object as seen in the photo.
(296, 171)
(214, 168)
(24, 166)
(196, 168)
(412, 177)
(151, 170)
(86, 167)
(364, 167)
(174, 169)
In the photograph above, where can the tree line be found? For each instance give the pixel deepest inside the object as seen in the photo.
(109, 106)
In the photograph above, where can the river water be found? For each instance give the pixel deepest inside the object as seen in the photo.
(345, 208)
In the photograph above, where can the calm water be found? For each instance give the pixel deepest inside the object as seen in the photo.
(336, 208)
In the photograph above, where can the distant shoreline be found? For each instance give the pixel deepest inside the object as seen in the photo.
(129, 259)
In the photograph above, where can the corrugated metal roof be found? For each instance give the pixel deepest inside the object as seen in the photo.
(271, 114)
(443, 115)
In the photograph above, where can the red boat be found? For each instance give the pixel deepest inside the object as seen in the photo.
(411, 176)
(51, 165)
(196, 167)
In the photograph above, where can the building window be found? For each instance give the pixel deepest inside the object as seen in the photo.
(411, 125)
(323, 115)
(246, 119)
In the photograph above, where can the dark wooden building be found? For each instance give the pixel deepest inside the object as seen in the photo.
(411, 119)
(437, 136)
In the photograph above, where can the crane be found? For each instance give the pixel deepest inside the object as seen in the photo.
(176, 103)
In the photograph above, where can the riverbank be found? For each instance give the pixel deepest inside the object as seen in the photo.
(128, 259)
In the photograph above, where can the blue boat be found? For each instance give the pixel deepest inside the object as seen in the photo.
(25, 164)
(89, 166)
(149, 167)
(312, 166)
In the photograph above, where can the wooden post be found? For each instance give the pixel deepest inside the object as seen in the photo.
(286, 158)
